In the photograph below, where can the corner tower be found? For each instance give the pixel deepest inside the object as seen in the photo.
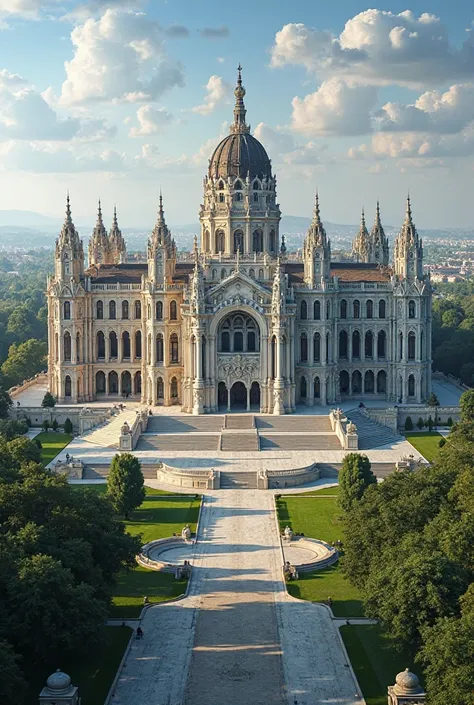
(161, 251)
(316, 251)
(408, 253)
(69, 252)
(240, 212)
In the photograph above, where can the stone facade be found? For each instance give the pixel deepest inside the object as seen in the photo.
(239, 322)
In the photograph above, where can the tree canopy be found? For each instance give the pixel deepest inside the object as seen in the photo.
(125, 485)
(25, 360)
(355, 476)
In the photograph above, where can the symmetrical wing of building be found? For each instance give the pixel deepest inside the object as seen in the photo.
(239, 322)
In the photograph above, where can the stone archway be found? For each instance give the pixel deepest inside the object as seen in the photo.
(222, 395)
(238, 396)
(255, 395)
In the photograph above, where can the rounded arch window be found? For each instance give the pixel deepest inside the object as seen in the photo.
(238, 332)
(304, 310)
(173, 311)
(343, 309)
(99, 310)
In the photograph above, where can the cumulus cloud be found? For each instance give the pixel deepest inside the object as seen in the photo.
(378, 47)
(335, 108)
(217, 90)
(29, 9)
(447, 112)
(282, 147)
(25, 114)
(214, 32)
(121, 57)
(408, 145)
(31, 157)
(152, 121)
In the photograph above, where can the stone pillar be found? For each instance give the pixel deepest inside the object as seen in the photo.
(248, 398)
(107, 347)
(278, 387)
(198, 387)
(228, 398)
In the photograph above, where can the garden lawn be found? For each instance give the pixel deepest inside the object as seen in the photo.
(93, 673)
(425, 442)
(52, 443)
(375, 661)
(158, 517)
(319, 518)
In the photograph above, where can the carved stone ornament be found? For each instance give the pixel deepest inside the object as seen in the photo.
(238, 368)
(125, 429)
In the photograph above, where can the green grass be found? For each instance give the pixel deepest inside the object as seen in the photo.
(425, 443)
(320, 518)
(92, 673)
(52, 443)
(157, 518)
(375, 660)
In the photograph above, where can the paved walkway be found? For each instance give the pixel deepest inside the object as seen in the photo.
(238, 637)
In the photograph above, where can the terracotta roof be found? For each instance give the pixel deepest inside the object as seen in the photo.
(295, 271)
(360, 272)
(131, 272)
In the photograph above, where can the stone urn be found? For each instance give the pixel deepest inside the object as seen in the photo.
(186, 533)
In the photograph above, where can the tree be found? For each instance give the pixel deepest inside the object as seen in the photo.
(355, 476)
(13, 685)
(441, 442)
(22, 324)
(45, 425)
(430, 423)
(68, 426)
(55, 425)
(450, 421)
(408, 424)
(125, 484)
(466, 403)
(420, 423)
(11, 429)
(433, 400)
(48, 401)
(24, 450)
(24, 360)
(5, 403)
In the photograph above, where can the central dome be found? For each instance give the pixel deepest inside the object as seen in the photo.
(239, 154)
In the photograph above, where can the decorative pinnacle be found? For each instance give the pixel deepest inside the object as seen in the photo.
(114, 222)
(408, 209)
(316, 207)
(377, 213)
(239, 124)
(99, 213)
(68, 207)
(362, 218)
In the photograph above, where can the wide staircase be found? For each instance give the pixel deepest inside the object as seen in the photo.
(371, 434)
(177, 442)
(108, 433)
(238, 480)
(299, 441)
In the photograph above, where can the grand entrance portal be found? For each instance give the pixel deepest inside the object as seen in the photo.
(255, 396)
(238, 397)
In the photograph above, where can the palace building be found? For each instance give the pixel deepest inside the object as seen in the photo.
(240, 323)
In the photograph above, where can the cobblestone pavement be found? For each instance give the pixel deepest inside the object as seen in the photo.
(238, 637)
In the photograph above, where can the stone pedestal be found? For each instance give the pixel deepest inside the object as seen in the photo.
(407, 690)
(59, 691)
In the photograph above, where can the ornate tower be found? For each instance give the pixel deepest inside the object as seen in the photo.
(118, 248)
(408, 254)
(99, 245)
(161, 251)
(316, 251)
(69, 253)
(379, 252)
(240, 212)
(361, 245)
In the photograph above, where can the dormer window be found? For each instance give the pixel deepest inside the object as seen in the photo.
(221, 186)
(238, 186)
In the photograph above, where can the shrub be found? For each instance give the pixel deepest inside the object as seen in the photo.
(55, 425)
(10, 429)
(420, 423)
(441, 442)
(430, 423)
(45, 425)
(450, 422)
(408, 424)
(68, 426)
(48, 401)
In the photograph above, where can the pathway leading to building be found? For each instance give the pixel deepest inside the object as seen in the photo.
(238, 637)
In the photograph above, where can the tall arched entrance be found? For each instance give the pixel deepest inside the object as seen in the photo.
(255, 396)
(222, 395)
(238, 397)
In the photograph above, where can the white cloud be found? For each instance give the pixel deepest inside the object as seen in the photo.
(220, 59)
(151, 121)
(217, 90)
(282, 147)
(26, 115)
(408, 145)
(378, 47)
(28, 9)
(120, 56)
(335, 108)
(31, 157)
(433, 111)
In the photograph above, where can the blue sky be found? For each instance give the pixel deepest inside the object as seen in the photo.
(115, 99)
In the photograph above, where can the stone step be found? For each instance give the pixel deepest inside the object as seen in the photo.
(239, 422)
(293, 423)
(299, 442)
(163, 442)
(238, 480)
(108, 433)
(244, 441)
(185, 424)
(371, 434)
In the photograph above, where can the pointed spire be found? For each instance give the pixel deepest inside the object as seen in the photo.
(408, 217)
(316, 234)
(68, 208)
(69, 237)
(239, 124)
(316, 212)
(117, 243)
(377, 222)
(362, 220)
(195, 250)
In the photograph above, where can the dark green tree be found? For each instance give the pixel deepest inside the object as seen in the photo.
(355, 476)
(408, 424)
(48, 401)
(45, 425)
(432, 400)
(430, 423)
(5, 403)
(467, 405)
(55, 425)
(125, 485)
(420, 423)
(13, 685)
(23, 451)
(25, 360)
(68, 426)
(9, 428)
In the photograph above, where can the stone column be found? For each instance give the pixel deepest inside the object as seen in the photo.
(278, 387)
(107, 347)
(228, 397)
(248, 398)
(198, 386)
(323, 389)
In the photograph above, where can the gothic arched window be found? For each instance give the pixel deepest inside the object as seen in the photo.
(369, 382)
(316, 347)
(100, 346)
(159, 310)
(67, 346)
(303, 347)
(174, 388)
(370, 308)
(125, 310)
(343, 309)
(303, 388)
(173, 311)
(369, 344)
(113, 343)
(381, 344)
(126, 345)
(160, 388)
(138, 344)
(256, 185)
(356, 308)
(238, 241)
(411, 309)
(382, 382)
(272, 245)
(257, 241)
(67, 310)
(411, 346)
(304, 310)
(382, 308)
(138, 309)
(317, 388)
(317, 310)
(159, 348)
(174, 348)
(238, 186)
(112, 310)
(356, 345)
(99, 309)
(67, 386)
(411, 386)
(220, 241)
